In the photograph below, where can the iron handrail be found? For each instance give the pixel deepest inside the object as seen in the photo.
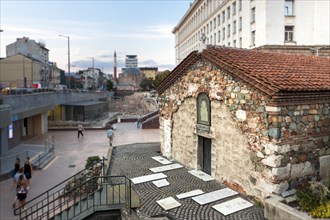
(40, 196)
(84, 190)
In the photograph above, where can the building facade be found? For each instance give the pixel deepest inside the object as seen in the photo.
(251, 24)
(149, 72)
(131, 61)
(260, 128)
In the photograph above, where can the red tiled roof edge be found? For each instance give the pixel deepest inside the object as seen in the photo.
(177, 72)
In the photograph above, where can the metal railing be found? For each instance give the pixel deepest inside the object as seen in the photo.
(7, 162)
(114, 191)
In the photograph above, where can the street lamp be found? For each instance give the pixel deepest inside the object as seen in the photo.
(68, 37)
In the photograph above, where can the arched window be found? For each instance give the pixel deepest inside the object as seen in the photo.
(203, 110)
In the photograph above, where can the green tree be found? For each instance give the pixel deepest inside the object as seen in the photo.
(147, 84)
(160, 77)
(109, 85)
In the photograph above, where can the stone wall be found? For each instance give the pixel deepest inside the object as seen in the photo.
(262, 149)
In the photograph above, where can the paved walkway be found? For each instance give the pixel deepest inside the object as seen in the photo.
(69, 150)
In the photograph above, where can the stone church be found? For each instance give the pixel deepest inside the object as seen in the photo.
(257, 121)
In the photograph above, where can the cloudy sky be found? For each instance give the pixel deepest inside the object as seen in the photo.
(96, 30)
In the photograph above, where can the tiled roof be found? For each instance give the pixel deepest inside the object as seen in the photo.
(271, 73)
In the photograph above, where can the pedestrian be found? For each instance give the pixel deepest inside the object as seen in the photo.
(28, 170)
(110, 135)
(80, 129)
(22, 191)
(139, 122)
(18, 174)
(16, 169)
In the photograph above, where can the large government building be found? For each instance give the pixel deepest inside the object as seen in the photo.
(254, 23)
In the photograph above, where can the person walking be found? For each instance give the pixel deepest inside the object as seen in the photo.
(28, 170)
(16, 169)
(22, 191)
(80, 129)
(110, 135)
(139, 122)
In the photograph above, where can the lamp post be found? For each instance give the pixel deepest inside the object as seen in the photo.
(68, 37)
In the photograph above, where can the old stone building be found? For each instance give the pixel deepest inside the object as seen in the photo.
(255, 120)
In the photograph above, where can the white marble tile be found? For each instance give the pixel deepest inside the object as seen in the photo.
(161, 160)
(168, 203)
(161, 183)
(147, 178)
(214, 196)
(166, 168)
(231, 206)
(201, 175)
(189, 194)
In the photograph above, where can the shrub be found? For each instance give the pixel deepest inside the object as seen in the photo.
(323, 211)
(91, 161)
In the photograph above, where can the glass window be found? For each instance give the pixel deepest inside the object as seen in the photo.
(223, 33)
(234, 8)
(219, 36)
(223, 17)
(240, 23)
(253, 38)
(240, 42)
(288, 34)
(253, 15)
(228, 12)
(288, 8)
(218, 20)
(214, 23)
(240, 5)
(234, 27)
(228, 31)
(234, 43)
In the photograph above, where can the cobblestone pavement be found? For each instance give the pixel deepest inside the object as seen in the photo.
(135, 160)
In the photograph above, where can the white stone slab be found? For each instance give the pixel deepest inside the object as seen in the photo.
(161, 183)
(214, 196)
(231, 206)
(288, 193)
(161, 160)
(147, 178)
(166, 168)
(201, 175)
(189, 194)
(168, 203)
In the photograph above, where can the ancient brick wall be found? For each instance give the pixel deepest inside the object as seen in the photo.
(260, 148)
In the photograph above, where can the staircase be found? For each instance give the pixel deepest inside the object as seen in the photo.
(82, 195)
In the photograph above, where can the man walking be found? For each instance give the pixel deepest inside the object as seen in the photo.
(80, 129)
(110, 135)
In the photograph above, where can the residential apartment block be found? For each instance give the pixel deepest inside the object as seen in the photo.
(252, 24)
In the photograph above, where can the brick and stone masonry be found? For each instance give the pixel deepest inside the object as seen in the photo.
(256, 147)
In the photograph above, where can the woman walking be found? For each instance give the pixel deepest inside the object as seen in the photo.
(28, 170)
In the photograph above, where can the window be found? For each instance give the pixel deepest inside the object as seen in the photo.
(223, 17)
(228, 12)
(203, 110)
(234, 27)
(240, 23)
(234, 43)
(215, 38)
(253, 15)
(234, 8)
(219, 36)
(223, 33)
(214, 23)
(228, 31)
(288, 8)
(218, 20)
(210, 26)
(288, 34)
(240, 42)
(240, 5)
(253, 38)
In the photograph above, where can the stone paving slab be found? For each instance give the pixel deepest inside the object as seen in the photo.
(231, 206)
(168, 203)
(147, 178)
(166, 168)
(201, 175)
(189, 194)
(161, 183)
(214, 196)
(135, 160)
(161, 160)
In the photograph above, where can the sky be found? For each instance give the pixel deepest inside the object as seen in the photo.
(96, 29)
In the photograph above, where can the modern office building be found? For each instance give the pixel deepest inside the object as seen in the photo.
(254, 23)
(131, 61)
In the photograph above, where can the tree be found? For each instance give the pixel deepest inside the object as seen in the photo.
(160, 77)
(147, 84)
(109, 85)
